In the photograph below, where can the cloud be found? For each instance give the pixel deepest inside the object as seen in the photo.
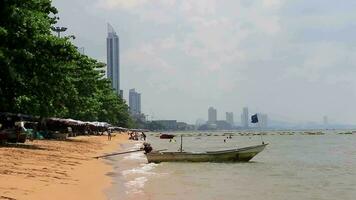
(157, 11)
(121, 4)
(272, 3)
(325, 62)
(275, 56)
(198, 7)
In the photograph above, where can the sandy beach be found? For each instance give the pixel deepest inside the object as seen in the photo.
(48, 169)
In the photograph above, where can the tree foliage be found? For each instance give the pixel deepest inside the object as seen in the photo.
(41, 74)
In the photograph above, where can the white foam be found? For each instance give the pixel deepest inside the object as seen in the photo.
(137, 145)
(143, 169)
(135, 156)
(136, 185)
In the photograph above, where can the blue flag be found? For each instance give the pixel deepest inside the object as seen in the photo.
(254, 119)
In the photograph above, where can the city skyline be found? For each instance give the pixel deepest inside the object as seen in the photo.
(301, 72)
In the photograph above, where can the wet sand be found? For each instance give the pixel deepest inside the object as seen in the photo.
(45, 169)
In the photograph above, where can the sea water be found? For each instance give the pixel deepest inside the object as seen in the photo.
(293, 166)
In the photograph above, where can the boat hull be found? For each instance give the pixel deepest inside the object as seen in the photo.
(233, 155)
(166, 136)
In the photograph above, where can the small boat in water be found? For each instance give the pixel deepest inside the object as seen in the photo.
(231, 155)
(244, 154)
(166, 136)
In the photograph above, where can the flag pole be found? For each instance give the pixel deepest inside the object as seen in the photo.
(261, 133)
(260, 125)
(255, 120)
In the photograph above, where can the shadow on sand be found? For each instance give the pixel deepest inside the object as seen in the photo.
(22, 146)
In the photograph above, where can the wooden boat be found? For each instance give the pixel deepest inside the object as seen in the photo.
(166, 136)
(232, 155)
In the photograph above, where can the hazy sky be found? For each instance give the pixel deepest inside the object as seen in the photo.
(292, 59)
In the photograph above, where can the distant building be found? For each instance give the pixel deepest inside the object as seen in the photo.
(134, 102)
(325, 121)
(113, 59)
(244, 118)
(230, 118)
(212, 115)
(223, 125)
(167, 124)
(139, 117)
(265, 120)
(217, 125)
(182, 126)
(199, 122)
(122, 94)
(262, 120)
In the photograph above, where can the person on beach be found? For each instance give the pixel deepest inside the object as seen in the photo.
(144, 136)
(109, 135)
(70, 131)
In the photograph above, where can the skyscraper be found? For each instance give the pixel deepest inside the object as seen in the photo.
(230, 118)
(113, 59)
(325, 121)
(262, 120)
(244, 118)
(134, 102)
(212, 115)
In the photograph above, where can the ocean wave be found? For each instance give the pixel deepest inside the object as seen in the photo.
(135, 156)
(136, 145)
(143, 169)
(136, 185)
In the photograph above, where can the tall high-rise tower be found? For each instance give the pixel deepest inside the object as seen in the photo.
(113, 59)
(262, 120)
(325, 121)
(230, 118)
(244, 118)
(212, 115)
(134, 102)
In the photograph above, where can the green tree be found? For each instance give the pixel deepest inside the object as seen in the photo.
(41, 74)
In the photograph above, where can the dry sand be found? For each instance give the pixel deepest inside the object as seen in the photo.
(45, 169)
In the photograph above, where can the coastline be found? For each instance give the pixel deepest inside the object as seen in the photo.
(45, 169)
(129, 171)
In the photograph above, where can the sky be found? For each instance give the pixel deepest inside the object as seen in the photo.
(294, 60)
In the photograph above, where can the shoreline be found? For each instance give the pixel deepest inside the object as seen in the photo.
(126, 169)
(47, 169)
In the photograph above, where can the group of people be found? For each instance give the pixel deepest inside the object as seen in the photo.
(136, 135)
(133, 135)
(228, 137)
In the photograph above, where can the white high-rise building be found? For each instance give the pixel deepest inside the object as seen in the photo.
(134, 102)
(244, 118)
(113, 59)
(212, 115)
(230, 118)
(262, 120)
(325, 121)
